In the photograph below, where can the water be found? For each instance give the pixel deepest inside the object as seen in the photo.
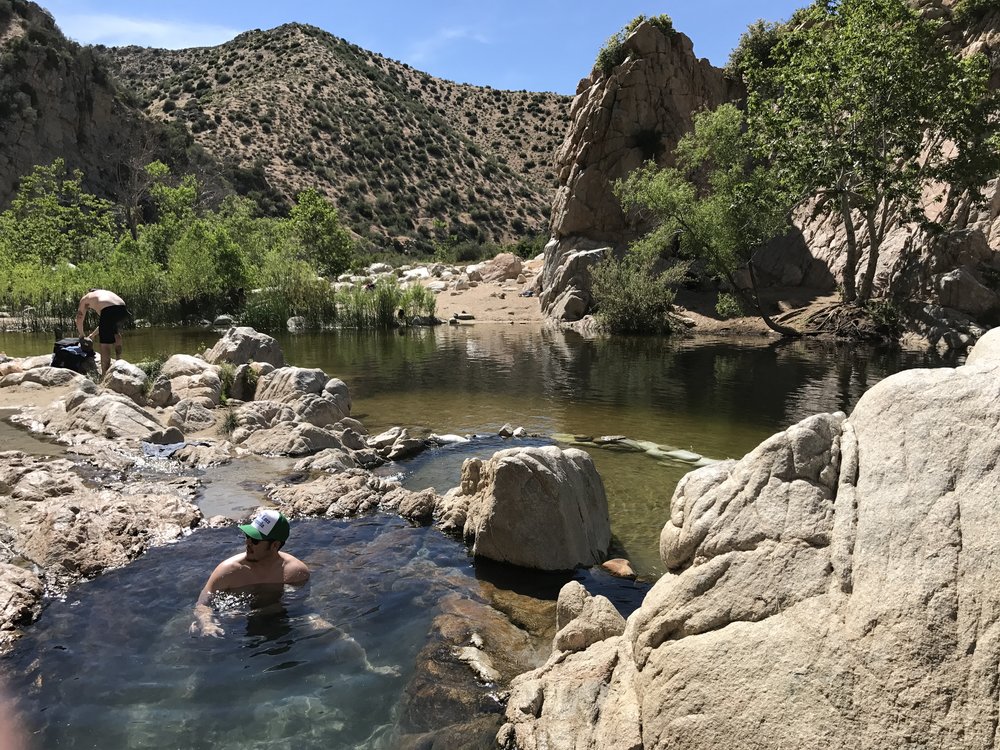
(114, 666)
(717, 398)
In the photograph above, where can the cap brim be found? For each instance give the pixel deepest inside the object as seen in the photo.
(251, 531)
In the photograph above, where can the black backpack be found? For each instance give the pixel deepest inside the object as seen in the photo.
(73, 353)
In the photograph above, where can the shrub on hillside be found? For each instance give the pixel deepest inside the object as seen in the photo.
(970, 11)
(613, 53)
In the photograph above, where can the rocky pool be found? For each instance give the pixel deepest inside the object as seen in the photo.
(716, 398)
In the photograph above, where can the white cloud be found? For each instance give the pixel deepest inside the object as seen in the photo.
(426, 49)
(115, 31)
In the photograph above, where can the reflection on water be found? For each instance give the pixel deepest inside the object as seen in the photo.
(718, 398)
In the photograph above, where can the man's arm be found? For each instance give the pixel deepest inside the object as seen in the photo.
(81, 315)
(204, 617)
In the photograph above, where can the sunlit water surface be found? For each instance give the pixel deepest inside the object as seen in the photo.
(114, 666)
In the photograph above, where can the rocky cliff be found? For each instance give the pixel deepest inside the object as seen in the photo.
(620, 119)
(834, 588)
(650, 99)
(57, 100)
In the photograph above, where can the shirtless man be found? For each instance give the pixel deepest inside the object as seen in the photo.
(111, 311)
(262, 565)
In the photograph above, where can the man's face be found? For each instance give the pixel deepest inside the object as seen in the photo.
(257, 549)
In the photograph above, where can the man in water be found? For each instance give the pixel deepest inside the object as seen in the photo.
(261, 568)
(111, 311)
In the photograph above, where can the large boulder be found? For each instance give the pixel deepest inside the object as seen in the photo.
(288, 383)
(834, 588)
(504, 267)
(290, 439)
(536, 507)
(126, 379)
(106, 414)
(242, 344)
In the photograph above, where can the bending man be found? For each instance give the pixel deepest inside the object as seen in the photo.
(262, 565)
(111, 311)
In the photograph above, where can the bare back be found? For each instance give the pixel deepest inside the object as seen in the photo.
(98, 299)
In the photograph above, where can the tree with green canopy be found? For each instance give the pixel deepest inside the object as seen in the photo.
(316, 225)
(52, 219)
(861, 105)
(715, 204)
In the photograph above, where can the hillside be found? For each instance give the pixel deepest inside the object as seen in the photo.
(58, 100)
(408, 158)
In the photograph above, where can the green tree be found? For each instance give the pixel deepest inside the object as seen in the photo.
(175, 201)
(716, 204)
(860, 104)
(52, 219)
(205, 266)
(324, 242)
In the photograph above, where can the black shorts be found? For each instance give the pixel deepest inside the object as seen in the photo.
(111, 316)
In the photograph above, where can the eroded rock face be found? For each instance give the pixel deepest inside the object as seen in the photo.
(836, 587)
(621, 119)
(83, 412)
(536, 507)
(58, 529)
(351, 492)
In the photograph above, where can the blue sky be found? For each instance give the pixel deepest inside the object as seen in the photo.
(538, 45)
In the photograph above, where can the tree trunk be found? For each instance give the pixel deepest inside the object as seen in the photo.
(753, 299)
(874, 244)
(850, 264)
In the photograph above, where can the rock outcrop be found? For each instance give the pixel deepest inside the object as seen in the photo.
(836, 587)
(536, 507)
(641, 108)
(622, 118)
(240, 345)
(60, 102)
(57, 529)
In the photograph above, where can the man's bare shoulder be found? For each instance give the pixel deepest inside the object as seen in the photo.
(226, 569)
(294, 570)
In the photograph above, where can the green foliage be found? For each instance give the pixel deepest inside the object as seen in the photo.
(228, 423)
(716, 204)
(863, 105)
(754, 48)
(418, 300)
(152, 369)
(613, 53)
(324, 242)
(728, 306)
(288, 287)
(227, 376)
(970, 11)
(886, 317)
(51, 218)
(631, 297)
(528, 247)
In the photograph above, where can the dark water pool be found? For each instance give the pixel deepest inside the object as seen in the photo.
(113, 665)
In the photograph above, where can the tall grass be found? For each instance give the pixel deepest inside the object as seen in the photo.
(358, 307)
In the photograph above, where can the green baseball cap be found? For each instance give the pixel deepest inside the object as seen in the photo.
(269, 525)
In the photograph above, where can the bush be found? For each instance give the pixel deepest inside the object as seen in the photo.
(613, 53)
(970, 11)
(729, 306)
(631, 297)
(755, 44)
